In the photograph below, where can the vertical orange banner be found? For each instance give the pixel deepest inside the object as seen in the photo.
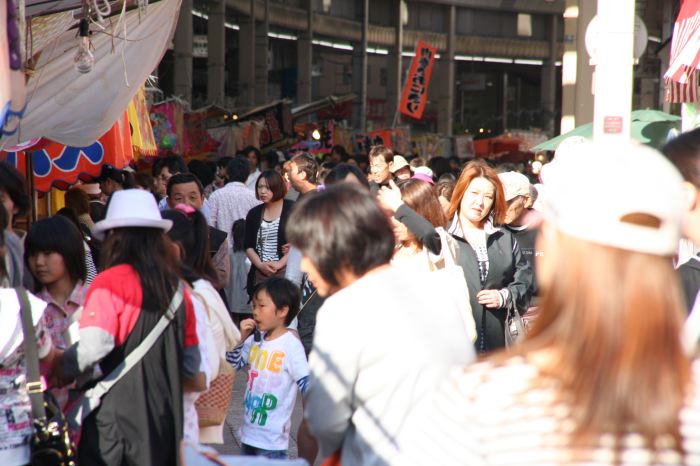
(415, 91)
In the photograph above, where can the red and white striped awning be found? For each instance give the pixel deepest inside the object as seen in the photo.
(682, 75)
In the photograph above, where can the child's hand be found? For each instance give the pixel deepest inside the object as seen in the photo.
(247, 327)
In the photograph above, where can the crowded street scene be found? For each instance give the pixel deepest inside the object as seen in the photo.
(349, 232)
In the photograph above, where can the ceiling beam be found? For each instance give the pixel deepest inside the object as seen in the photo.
(520, 6)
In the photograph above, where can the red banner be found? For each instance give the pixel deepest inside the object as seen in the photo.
(415, 92)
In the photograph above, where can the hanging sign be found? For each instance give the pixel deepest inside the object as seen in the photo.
(415, 92)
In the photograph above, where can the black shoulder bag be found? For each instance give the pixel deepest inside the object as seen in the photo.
(50, 443)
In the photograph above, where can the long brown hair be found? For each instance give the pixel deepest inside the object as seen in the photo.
(422, 197)
(613, 318)
(479, 169)
(147, 251)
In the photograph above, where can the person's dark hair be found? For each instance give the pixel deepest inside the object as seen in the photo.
(275, 182)
(182, 178)
(283, 293)
(272, 159)
(78, 201)
(249, 149)
(145, 181)
(445, 188)
(341, 171)
(238, 234)
(61, 235)
(148, 252)
(306, 163)
(175, 164)
(69, 213)
(223, 161)
(238, 169)
(202, 171)
(422, 197)
(12, 182)
(341, 229)
(123, 178)
(191, 232)
(684, 153)
(382, 151)
(340, 150)
(157, 167)
(3, 221)
(439, 166)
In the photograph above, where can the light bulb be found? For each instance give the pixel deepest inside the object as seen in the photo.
(84, 58)
(316, 134)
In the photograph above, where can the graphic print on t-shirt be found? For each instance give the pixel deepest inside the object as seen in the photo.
(276, 368)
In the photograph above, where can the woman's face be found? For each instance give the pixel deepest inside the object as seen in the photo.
(9, 206)
(47, 266)
(477, 201)
(264, 192)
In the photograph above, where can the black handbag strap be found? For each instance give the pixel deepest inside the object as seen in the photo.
(34, 386)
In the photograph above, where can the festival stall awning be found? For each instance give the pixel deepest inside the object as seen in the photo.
(59, 166)
(682, 76)
(76, 109)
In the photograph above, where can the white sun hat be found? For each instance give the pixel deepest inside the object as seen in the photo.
(599, 187)
(131, 208)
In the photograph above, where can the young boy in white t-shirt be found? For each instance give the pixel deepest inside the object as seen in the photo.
(277, 366)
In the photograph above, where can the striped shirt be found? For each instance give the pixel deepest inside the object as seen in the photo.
(513, 414)
(266, 246)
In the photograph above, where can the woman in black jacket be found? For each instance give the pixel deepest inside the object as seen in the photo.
(497, 274)
(265, 241)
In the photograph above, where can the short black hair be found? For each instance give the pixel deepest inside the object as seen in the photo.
(202, 171)
(283, 293)
(58, 234)
(684, 153)
(341, 229)
(341, 171)
(238, 169)
(182, 178)
(223, 161)
(249, 149)
(12, 182)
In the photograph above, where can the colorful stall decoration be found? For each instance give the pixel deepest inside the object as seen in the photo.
(323, 131)
(56, 165)
(200, 141)
(362, 143)
(401, 140)
(142, 138)
(415, 92)
(168, 121)
(431, 145)
(276, 123)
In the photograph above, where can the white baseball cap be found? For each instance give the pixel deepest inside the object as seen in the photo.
(593, 192)
(399, 163)
(514, 184)
(131, 208)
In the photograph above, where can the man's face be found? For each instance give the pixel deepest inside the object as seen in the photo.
(253, 161)
(296, 177)
(516, 207)
(186, 193)
(380, 171)
(162, 181)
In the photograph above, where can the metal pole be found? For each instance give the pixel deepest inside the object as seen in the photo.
(505, 101)
(613, 67)
(365, 39)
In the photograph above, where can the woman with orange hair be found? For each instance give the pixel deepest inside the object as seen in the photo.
(497, 274)
(602, 377)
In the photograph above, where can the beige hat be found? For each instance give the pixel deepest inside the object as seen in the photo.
(514, 184)
(399, 163)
